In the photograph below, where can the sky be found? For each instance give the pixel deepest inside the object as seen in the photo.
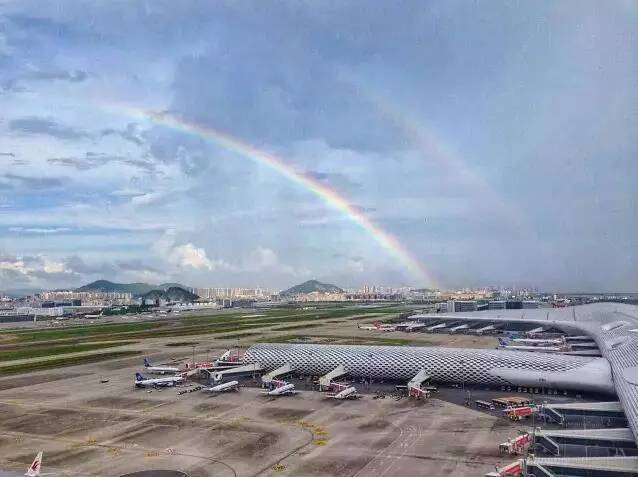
(416, 143)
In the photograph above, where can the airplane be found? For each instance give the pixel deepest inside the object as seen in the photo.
(34, 468)
(285, 390)
(141, 381)
(538, 349)
(377, 326)
(225, 387)
(228, 359)
(158, 369)
(538, 341)
(347, 393)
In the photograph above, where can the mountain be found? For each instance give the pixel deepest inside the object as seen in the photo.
(135, 289)
(311, 286)
(172, 294)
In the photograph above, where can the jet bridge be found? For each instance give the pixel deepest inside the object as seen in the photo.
(246, 369)
(459, 328)
(588, 442)
(436, 327)
(268, 378)
(482, 330)
(414, 386)
(326, 380)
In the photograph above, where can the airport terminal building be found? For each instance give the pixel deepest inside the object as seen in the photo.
(452, 365)
(613, 327)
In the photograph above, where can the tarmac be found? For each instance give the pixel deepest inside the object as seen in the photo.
(86, 427)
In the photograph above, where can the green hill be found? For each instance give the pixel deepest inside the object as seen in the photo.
(311, 286)
(135, 289)
(175, 294)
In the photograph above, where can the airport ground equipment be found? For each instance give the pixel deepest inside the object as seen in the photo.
(513, 469)
(516, 446)
(414, 386)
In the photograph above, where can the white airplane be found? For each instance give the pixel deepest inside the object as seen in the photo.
(34, 468)
(347, 393)
(141, 381)
(377, 326)
(538, 349)
(538, 341)
(225, 387)
(285, 390)
(158, 369)
(228, 359)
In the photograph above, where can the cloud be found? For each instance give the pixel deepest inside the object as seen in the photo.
(39, 230)
(130, 133)
(11, 86)
(46, 127)
(334, 179)
(20, 182)
(73, 76)
(261, 258)
(188, 255)
(30, 268)
(91, 160)
(184, 255)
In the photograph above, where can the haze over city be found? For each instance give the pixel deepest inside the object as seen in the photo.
(446, 144)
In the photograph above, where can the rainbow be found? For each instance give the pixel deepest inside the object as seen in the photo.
(330, 197)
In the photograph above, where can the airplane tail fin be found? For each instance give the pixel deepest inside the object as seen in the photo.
(146, 363)
(34, 468)
(138, 377)
(502, 341)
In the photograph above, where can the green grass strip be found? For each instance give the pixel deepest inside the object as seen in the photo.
(35, 352)
(62, 362)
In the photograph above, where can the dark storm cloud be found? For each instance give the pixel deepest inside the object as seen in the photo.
(46, 127)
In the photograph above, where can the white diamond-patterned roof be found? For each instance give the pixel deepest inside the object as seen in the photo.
(480, 366)
(611, 325)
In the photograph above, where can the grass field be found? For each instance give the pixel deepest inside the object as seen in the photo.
(193, 325)
(332, 339)
(41, 352)
(53, 344)
(60, 362)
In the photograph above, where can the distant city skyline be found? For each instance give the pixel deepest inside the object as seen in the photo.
(432, 144)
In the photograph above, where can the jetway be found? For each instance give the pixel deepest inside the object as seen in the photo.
(436, 327)
(585, 466)
(607, 413)
(484, 329)
(246, 369)
(414, 386)
(326, 379)
(592, 442)
(268, 378)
